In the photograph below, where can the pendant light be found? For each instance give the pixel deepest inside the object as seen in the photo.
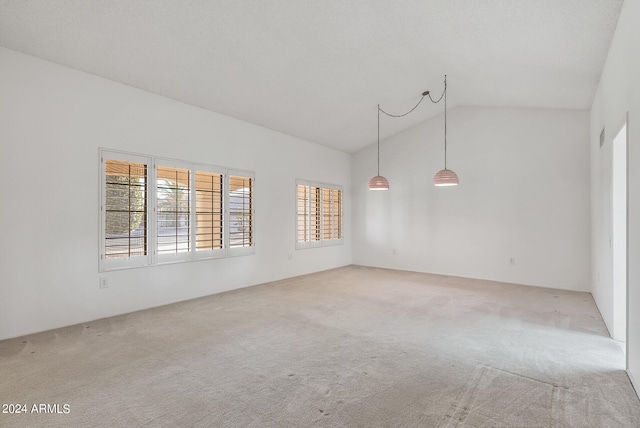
(378, 182)
(445, 177)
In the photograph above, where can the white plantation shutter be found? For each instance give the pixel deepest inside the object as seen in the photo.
(173, 210)
(327, 213)
(209, 211)
(318, 214)
(302, 215)
(314, 213)
(337, 213)
(156, 210)
(240, 212)
(124, 210)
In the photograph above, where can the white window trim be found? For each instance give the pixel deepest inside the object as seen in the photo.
(152, 258)
(322, 242)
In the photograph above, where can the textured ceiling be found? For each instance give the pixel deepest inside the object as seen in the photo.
(317, 69)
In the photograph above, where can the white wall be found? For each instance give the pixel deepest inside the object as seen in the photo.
(617, 95)
(524, 193)
(619, 234)
(52, 122)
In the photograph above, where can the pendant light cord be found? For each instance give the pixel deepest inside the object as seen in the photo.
(445, 121)
(424, 94)
(404, 114)
(378, 139)
(444, 94)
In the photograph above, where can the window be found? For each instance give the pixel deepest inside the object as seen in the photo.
(124, 225)
(209, 211)
(173, 210)
(157, 210)
(308, 213)
(333, 219)
(240, 213)
(318, 214)
(302, 228)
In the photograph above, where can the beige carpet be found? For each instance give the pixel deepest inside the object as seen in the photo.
(353, 346)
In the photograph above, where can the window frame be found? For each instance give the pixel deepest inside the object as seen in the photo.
(321, 242)
(152, 258)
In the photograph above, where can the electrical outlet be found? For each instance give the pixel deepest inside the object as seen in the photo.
(104, 282)
(393, 251)
(289, 256)
(512, 260)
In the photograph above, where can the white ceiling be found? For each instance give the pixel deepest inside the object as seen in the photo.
(317, 69)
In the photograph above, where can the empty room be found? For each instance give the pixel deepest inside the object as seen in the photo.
(341, 213)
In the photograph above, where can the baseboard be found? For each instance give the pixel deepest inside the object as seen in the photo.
(604, 321)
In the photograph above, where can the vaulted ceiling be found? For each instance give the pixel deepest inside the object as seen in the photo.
(317, 69)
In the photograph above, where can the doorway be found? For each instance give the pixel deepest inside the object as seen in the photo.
(619, 234)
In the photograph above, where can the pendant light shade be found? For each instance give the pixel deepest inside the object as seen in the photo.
(378, 183)
(446, 177)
